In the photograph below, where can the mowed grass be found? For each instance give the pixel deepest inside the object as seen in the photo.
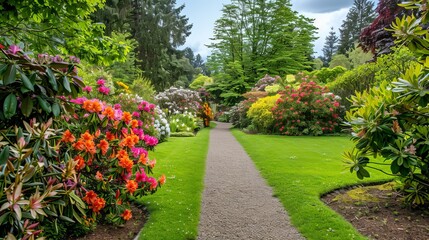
(174, 210)
(300, 170)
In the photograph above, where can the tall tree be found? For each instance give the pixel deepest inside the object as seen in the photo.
(260, 37)
(330, 47)
(360, 15)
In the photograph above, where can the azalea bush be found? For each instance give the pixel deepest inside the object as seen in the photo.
(309, 109)
(238, 114)
(262, 83)
(161, 125)
(261, 115)
(103, 147)
(178, 100)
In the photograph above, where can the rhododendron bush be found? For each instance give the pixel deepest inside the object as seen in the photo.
(78, 166)
(307, 110)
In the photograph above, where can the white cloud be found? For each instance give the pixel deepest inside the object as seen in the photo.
(320, 6)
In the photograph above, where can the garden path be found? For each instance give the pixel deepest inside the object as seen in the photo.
(237, 203)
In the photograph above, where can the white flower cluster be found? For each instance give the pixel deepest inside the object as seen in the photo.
(178, 100)
(161, 124)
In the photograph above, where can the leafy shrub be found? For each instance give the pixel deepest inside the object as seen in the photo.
(307, 110)
(143, 87)
(201, 81)
(326, 75)
(206, 114)
(182, 134)
(29, 86)
(261, 115)
(186, 122)
(178, 100)
(238, 114)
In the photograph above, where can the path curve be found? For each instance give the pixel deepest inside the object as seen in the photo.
(237, 203)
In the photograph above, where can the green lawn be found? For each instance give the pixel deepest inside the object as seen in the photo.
(300, 170)
(174, 210)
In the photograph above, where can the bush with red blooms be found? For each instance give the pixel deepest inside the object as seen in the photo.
(309, 109)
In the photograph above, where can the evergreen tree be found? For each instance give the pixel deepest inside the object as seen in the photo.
(330, 47)
(360, 15)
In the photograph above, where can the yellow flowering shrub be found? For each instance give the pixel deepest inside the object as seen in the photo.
(261, 114)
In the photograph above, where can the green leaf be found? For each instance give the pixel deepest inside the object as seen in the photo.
(10, 74)
(44, 104)
(56, 109)
(52, 79)
(4, 156)
(66, 84)
(67, 219)
(9, 106)
(27, 106)
(27, 82)
(3, 217)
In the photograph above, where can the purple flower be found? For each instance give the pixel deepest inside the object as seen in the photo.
(57, 59)
(118, 114)
(104, 90)
(87, 89)
(101, 82)
(74, 59)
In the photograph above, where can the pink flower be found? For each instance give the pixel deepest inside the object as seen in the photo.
(104, 90)
(153, 183)
(87, 89)
(336, 104)
(137, 151)
(101, 82)
(14, 49)
(136, 114)
(146, 109)
(139, 132)
(79, 100)
(141, 176)
(117, 106)
(150, 140)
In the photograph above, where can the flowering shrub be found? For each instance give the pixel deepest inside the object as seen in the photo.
(161, 125)
(238, 114)
(308, 110)
(206, 114)
(261, 115)
(178, 100)
(264, 82)
(107, 159)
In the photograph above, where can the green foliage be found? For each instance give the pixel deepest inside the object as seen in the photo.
(28, 87)
(317, 63)
(392, 119)
(61, 27)
(182, 134)
(358, 57)
(326, 75)
(340, 60)
(144, 88)
(308, 110)
(201, 81)
(186, 122)
(261, 115)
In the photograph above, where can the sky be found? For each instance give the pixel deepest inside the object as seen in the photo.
(203, 14)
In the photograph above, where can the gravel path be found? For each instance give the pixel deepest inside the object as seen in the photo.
(237, 203)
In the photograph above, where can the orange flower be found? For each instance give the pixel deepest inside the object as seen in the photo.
(68, 137)
(103, 145)
(126, 164)
(143, 159)
(126, 117)
(162, 180)
(97, 133)
(92, 106)
(98, 204)
(129, 141)
(87, 136)
(110, 136)
(80, 163)
(99, 176)
(90, 197)
(152, 163)
(109, 112)
(90, 147)
(134, 123)
(126, 215)
(131, 186)
(79, 145)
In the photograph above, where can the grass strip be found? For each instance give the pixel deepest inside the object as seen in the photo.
(300, 170)
(174, 211)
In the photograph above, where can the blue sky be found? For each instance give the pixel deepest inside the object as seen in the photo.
(203, 14)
